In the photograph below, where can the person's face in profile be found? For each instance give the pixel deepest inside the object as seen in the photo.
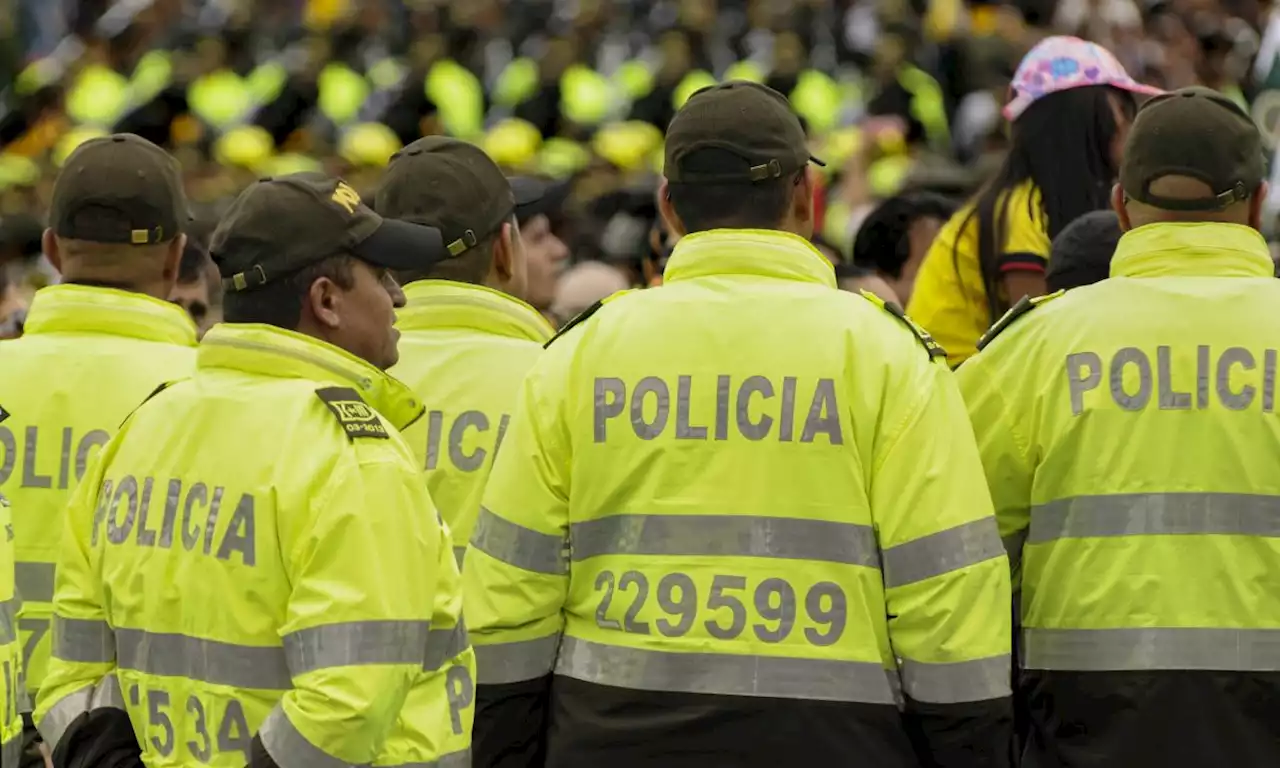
(545, 257)
(920, 237)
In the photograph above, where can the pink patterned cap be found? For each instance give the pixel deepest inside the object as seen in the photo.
(1062, 63)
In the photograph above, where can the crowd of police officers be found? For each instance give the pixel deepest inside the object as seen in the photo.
(741, 519)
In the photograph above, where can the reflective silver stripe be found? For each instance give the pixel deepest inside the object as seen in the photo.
(1146, 514)
(459, 554)
(445, 644)
(452, 760)
(355, 643)
(942, 552)
(9, 620)
(727, 675)
(957, 682)
(35, 581)
(11, 751)
(107, 693)
(210, 661)
(60, 716)
(519, 546)
(289, 748)
(1192, 648)
(83, 640)
(725, 535)
(513, 662)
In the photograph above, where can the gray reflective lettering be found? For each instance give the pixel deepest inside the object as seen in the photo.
(725, 591)
(30, 478)
(100, 512)
(172, 499)
(435, 425)
(10, 453)
(678, 596)
(233, 733)
(1138, 400)
(722, 407)
(749, 386)
(786, 421)
(95, 439)
(460, 690)
(685, 431)
(1202, 376)
(199, 494)
(212, 522)
(1169, 400)
(474, 460)
(778, 591)
(502, 432)
(64, 466)
(610, 397)
(146, 536)
(203, 749)
(1235, 401)
(1269, 381)
(1084, 372)
(824, 402)
(647, 430)
(240, 533)
(118, 531)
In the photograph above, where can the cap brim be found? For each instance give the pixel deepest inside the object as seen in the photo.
(1021, 100)
(536, 196)
(399, 244)
(816, 161)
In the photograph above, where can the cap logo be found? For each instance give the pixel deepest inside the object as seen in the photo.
(346, 197)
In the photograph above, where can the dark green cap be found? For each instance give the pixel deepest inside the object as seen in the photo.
(119, 189)
(1194, 132)
(279, 226)
(752, 126)
(453, 186)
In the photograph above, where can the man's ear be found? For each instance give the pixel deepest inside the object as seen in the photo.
(49, 243)
(1117, 205)
(668, 212)
(802, 197)
(324, 300)
(504, 253)
(1257, 203)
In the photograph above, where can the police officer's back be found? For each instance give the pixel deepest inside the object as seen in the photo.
(739, 519)
(467, 338)
(255, 571)
(94, 347)
(11, 692)
(1128, 431)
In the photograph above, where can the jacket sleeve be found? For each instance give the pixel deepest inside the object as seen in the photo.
(515, 578)
(12, 695)
(946, 577)
(80, 680)
(363, 569)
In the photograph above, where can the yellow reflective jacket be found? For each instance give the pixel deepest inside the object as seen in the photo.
(87, 358)
(744, 483)
(464, 349)
(12, 698)
(1129, 436)
(256, 553)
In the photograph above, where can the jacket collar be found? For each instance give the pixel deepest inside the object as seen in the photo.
(70, 308)
(1192, 250)
(766, 253)
(270, 351)
(434, 304)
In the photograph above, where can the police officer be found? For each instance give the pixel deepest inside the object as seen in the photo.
(94, 347)
(254, 570)
(467, 339)
(1129, 438)
(12, 697)
(739, 518)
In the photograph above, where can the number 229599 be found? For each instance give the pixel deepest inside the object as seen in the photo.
(775, 601)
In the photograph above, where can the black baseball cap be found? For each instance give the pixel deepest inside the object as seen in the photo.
(284, 224)
(752, 126)
(452, 185)
(541, 196)
(119, 189)
(1194, 132)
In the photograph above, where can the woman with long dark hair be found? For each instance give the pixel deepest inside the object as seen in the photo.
(1071, 107)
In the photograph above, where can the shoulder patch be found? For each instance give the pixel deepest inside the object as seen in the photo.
(358, 419)
(1024, 305)
(584, 314)
(931, 346)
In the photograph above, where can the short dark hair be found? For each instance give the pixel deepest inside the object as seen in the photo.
(1081, 253)
(471, 267)
(279, 303)
(758, 205)
(191, 268)
(882, 242)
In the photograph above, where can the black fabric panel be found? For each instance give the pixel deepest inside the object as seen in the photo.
(1158, 719)
(101, 738)
(972, 735)
(510, 725)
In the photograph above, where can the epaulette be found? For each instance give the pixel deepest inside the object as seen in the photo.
(582, 316)
(154, 392)
(358, 419)
(931, 346)
(1024, 305)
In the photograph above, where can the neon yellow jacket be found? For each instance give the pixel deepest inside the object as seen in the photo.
(745, 483)
(464, 349)
(12, 697)
(256, 553)
(1129, 437)
(88, 356)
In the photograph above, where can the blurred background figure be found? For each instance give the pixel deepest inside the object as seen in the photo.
(896, 235)
(584, 285)
(199, 288)
(853, 278)
(1081, 253)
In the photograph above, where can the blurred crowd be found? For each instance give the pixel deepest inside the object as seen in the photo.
(901, 98)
